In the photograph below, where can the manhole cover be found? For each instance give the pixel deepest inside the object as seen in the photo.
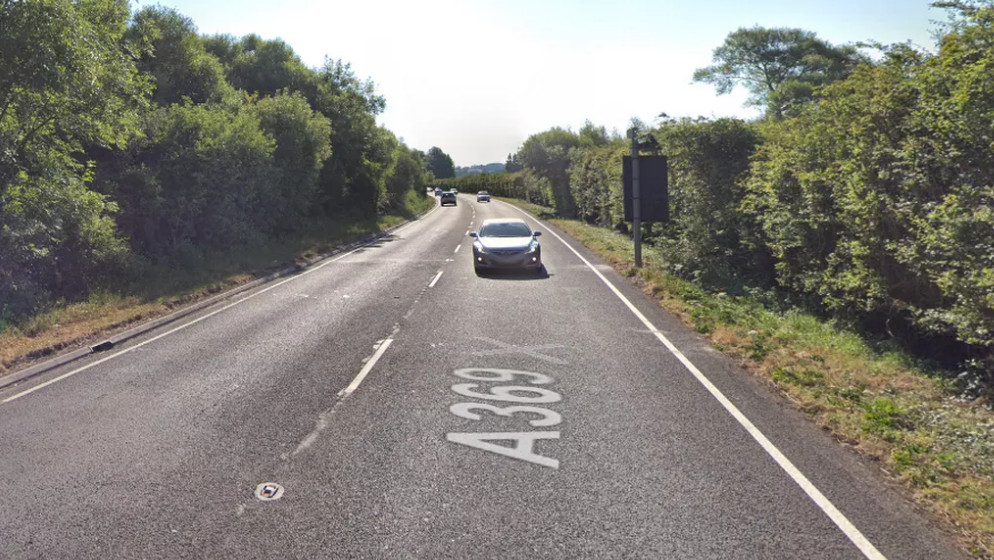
(268, 491)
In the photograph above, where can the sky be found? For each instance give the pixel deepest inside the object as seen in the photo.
(477, 77)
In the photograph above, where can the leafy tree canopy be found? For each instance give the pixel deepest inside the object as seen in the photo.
(259, 66)
(440, 164)
(176, 58)
(779, 66)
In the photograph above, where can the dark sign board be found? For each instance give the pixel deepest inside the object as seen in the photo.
(654, 198)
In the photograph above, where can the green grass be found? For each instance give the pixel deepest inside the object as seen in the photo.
(543, 212)
(878, 399)
(160, 288)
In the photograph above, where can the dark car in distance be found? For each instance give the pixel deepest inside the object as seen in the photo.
(448, 197)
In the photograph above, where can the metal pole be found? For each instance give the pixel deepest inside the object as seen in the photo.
(636, 206)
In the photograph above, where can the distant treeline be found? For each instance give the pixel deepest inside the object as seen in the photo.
(479, 169)
(867, 190)
(127, 139)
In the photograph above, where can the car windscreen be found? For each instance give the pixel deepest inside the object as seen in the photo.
(513, 229)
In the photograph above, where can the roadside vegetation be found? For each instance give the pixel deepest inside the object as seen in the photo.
(871, 395)
(841, 246)
(142, 163)
(163, 289)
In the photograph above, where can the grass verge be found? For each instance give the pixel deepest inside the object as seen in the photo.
(164, 288)
(877, 400)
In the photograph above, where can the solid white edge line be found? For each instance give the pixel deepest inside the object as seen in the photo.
(435, 279)
(181, 327)
(833, 513)
(459, 246)
(366, 368)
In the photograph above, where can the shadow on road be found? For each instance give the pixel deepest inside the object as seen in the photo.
(378, 243)
(515, 274)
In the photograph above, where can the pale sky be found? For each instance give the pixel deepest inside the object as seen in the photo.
(475, 78)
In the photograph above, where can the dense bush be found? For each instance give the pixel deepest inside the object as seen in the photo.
(879, 198)
(708, 234)
(873, 199)
(595, 183)
(302, 145)
(57, 240)
(547, 156)
(126, 138)
(407, 174)
(64, 83)
(173, 55)
(197, 180)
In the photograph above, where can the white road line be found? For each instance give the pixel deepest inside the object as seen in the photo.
(435, 279)
(833, 513)
(366, 368)
(179, 328)
(459, 246)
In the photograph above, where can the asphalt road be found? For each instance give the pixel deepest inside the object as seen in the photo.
(377, 393)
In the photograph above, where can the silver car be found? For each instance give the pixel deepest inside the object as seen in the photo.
(506, 244)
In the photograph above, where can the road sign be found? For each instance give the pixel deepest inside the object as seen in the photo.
(654, 200)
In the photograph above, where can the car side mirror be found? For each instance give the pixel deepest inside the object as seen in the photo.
(536, 233)
(474, 234)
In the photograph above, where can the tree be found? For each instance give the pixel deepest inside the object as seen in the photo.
(259, 66)
(593, 136)
(512, 164)
(302, 147)
(877, 199)
(440, 164)
(353, 177)
(176, 58)
(547, 154)
(408, 173)
(199, 179)
(65, 81)
(780, 66)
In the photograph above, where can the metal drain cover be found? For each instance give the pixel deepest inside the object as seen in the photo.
(268, 491)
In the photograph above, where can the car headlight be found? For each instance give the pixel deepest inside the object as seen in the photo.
(532, 248)
(479, 248)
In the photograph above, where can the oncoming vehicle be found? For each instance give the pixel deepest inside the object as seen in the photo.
(438, 191)
(483, 196)
(507, 243)
(448, 197)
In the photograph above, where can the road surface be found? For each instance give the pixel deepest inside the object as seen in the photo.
(407, 408)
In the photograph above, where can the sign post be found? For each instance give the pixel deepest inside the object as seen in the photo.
(645, 187)
(636, 202)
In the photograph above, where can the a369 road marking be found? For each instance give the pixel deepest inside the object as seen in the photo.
(523, 399)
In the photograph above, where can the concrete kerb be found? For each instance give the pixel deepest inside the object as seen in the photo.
(119, 338)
